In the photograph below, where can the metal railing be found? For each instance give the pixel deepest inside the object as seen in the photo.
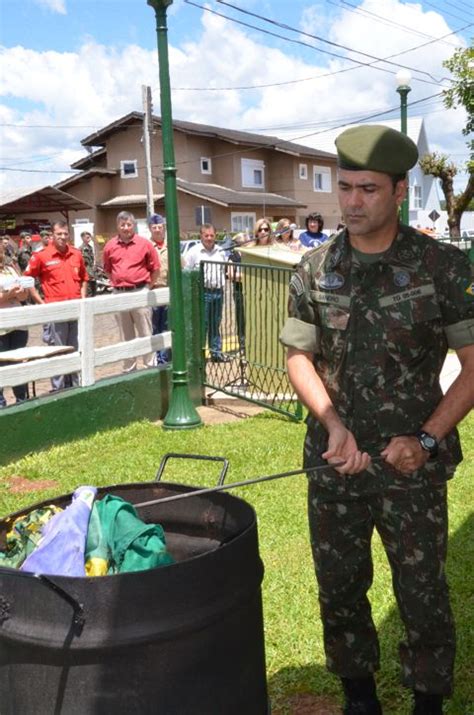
(241, 323)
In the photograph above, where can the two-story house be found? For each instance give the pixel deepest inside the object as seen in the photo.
(224, 176)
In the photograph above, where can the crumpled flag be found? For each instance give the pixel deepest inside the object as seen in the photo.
(97, 550)
(25, 534)
(121, 542)
(60, 551)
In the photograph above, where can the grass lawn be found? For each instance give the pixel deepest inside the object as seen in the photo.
(263, 445)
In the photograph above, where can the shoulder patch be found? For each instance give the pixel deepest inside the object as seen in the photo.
(296, 284)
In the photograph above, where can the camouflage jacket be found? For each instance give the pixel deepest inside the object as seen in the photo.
(89, 259)
(380, 332)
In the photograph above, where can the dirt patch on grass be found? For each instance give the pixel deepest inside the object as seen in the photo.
(309, 704)
(22, 485)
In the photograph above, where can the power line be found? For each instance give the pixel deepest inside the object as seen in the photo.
(442, 11)
(284, 26)
(386, 21)
(306, 44)
(327, 74)
(249, 149)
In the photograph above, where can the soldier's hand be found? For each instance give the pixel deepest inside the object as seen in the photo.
(343, 451)
(405, 454)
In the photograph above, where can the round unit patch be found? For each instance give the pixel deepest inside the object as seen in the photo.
(331, 281)
(401, 278)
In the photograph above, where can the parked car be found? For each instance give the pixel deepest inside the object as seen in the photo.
(185, 246)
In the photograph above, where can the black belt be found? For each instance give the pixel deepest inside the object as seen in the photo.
(139, 286)
(213, 290)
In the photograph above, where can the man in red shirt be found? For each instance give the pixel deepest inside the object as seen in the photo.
(132, 264)
(62, 274)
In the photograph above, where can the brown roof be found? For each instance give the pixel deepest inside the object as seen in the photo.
(234, 136)
(90, 159)
(221, 195)
(129, 200)
(71, 180)
(46, 198)
(228, 197)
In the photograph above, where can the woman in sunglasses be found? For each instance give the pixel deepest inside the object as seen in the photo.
(263, 232)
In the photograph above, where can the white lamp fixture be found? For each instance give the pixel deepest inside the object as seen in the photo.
(403, 78)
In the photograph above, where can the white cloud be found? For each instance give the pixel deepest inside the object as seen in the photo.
(58, 6)
(97, 84)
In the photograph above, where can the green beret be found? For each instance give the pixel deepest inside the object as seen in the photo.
(24, 234)
(43, 234)
(375, 148)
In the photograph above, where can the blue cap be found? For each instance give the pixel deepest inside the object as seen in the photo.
(156, 219)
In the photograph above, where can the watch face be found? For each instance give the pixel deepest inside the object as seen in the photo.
(430, 443)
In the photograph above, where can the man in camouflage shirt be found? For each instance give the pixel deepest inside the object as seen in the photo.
(372, 314)
(87, 250)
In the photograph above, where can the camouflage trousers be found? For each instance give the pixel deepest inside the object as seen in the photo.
(412, 524)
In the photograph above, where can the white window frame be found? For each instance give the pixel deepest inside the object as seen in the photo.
(325, 184)
(303, 171)
(249, 169)
(123, 163)
(209, 164)
(417, 199)
(242, 221)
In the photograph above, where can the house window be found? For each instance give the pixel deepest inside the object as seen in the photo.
(253, 173)
(242, 222)
(303, 172)
(322, 179)
(206, 165)
(128, 169)
(202, 215)
(417, 197)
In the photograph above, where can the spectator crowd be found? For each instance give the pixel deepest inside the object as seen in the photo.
(47, 268)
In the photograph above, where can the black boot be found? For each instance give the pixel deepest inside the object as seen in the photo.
(427, 703)
(361, 696)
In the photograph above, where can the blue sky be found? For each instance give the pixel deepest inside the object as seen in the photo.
(72, 66)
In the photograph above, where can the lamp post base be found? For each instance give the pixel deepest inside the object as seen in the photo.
(181, 412)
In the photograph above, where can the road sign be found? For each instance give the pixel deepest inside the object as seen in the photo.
(434, 215)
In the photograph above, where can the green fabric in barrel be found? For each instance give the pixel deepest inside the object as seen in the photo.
(119, 541)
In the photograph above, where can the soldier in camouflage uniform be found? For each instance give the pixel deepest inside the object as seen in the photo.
(24, 254)
(372, 314)
(88, 255)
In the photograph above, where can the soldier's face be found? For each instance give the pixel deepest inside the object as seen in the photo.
(368, 201)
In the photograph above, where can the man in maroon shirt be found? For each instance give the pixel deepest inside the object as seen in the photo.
(132, 264)
(62, 274)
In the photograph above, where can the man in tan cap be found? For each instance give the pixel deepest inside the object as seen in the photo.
(372, 313)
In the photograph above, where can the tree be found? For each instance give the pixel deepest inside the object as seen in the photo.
(461, 93)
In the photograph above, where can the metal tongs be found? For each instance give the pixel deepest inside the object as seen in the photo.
(224, 487)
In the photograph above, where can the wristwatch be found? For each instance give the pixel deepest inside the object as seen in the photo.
(427, 442)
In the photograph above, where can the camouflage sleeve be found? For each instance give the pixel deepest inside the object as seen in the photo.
(456, 298)
(301, 329)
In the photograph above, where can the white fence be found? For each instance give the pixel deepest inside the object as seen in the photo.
(87, 357)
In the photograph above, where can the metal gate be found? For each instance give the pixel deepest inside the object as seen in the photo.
(243, 308)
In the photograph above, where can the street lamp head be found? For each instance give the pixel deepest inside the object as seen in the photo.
(159, 4)
(403, 78)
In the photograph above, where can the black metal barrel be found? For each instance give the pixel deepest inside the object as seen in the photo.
(184, 639)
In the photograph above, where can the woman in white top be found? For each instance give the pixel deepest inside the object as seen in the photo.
(11, 296)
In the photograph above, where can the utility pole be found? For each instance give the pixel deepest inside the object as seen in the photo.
(147, 131)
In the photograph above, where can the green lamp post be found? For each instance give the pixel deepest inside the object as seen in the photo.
(403, 87)
(181, 412)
